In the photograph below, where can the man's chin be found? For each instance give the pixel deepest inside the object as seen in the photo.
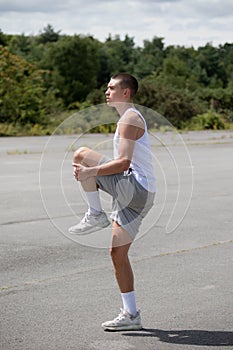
(110, 104)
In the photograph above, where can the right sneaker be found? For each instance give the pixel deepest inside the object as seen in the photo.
(90, 223)
(124, 322)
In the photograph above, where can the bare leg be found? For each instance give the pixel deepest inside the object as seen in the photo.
(121, 242)
(95, 218)
(129, 317)
(87, 157)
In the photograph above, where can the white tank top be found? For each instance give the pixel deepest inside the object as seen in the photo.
(141, 162)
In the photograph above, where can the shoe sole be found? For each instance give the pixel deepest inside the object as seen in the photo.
(93, 229)
(123, 328)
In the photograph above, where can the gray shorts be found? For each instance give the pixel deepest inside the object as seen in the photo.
(130, 201)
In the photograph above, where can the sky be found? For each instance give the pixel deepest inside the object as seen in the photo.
(180, 22)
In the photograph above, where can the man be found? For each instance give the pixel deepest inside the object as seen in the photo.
(129, 179)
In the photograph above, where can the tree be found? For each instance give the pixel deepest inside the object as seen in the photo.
(180, 68)
(175, 105)
(226, 54)
(179, 82)
(149, 58)
(210, 60)
(48, 35)
(20, 45)
(2, 38)
(119, 54)
(74, 63)
(23, 97)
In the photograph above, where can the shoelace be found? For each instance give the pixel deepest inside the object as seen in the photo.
(86, 217)
(120, 316)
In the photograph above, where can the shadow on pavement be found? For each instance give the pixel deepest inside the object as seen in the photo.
(188, 337)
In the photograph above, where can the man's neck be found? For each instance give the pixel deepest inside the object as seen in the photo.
(122, 107)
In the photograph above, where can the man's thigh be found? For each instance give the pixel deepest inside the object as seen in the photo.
(120, 237)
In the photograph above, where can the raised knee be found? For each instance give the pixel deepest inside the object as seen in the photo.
(80, 154)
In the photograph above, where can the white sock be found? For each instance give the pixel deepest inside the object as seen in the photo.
(129, 302)
(94, 204)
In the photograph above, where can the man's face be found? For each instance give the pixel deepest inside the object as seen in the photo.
(114, 92)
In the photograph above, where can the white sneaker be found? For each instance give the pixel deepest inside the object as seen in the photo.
(90, 223)
(124, 321)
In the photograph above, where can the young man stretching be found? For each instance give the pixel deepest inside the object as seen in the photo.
(129, 179)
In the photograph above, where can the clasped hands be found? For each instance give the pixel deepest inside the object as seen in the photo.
(79, 171)
(82, 173)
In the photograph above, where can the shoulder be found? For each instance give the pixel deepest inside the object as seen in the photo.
(132, 118)
(131, 126)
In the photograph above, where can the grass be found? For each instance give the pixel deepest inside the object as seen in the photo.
(17, 152)
(17, 129)
(207, 121)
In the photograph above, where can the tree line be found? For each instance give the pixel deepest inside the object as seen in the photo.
(43, 75)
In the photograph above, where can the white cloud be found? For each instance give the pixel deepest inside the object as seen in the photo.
(213, 8)
(179, 22)
(26, 6)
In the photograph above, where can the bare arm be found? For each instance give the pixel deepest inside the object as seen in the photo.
(129, 133)
(125, 152)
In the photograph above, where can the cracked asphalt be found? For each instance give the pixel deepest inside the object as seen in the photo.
(56, 290)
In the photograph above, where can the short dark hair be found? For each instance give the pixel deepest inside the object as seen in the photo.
(127, 81)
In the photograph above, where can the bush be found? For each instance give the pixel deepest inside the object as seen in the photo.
(175, 105)
(24, 97)
(207, 121)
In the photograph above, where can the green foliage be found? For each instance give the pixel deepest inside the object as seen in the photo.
(20, 45)
(23, 97)
(115, 56)
(207, 121)
(3, 41)
(39, 75)
(210, 60)
(150, 58)
(92, 119)
(74, 64)
(48, 35)
(174, 104)
(103, 129)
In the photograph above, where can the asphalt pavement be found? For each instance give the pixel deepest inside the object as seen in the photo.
(57, 289)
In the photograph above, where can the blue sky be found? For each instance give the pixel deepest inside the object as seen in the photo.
(179, 22)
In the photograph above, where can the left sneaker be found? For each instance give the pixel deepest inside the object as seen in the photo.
(124, 322)
(90, 223)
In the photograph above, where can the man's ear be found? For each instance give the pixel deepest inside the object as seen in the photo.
(127, 92)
